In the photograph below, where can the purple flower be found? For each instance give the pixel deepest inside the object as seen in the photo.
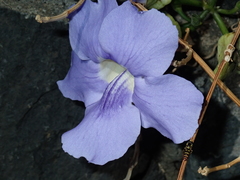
(118, 60)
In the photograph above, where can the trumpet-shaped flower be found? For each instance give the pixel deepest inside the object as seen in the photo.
(118, 60)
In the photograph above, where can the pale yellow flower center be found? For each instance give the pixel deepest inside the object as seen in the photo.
(110, 70)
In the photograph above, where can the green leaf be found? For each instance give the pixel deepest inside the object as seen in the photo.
(176, 24)
(157, 4)
(222, 45)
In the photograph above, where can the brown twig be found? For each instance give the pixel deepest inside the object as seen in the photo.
(216, 80)
(74, 8)
(139, 6)
(205, 171)
(212, 53)
(183, 62)
(60, 16)
(227, 58)
(134, 160)
(211, 73)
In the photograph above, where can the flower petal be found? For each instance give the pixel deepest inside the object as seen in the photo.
(84, 28)
(109, 128)
(82, 82)
(142, 42)
(170, 104)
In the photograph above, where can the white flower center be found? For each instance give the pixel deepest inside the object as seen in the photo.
(110, 70)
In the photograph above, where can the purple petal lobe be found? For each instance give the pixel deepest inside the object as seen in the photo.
(109, 128)
(82, 82)
(169, 104)
(143, 42)
(84, 28)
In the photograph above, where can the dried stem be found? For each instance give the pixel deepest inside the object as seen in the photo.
(187, 31)
(134, 160)
(139, 6)
(183, 62)
(74, 8)
(205, 171)
(227, 58)
(60, 16)
(212, 53)
(211, 73)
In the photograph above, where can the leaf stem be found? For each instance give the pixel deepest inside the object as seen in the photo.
(230, 11)
(220, 22)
